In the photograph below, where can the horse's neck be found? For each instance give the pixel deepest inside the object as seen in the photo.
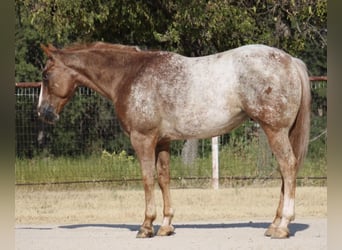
(104, 71)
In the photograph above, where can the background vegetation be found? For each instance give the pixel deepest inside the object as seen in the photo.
(192, 28)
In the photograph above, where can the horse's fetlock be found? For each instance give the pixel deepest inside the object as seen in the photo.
(145, 232)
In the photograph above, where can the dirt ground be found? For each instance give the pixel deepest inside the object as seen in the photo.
(307, 234)
(98, 218)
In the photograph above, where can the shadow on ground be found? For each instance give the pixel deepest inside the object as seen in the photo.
(294, 227)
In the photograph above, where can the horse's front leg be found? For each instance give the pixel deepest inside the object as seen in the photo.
(163, 169)
(144, 146)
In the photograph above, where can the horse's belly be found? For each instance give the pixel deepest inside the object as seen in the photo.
(205, 125)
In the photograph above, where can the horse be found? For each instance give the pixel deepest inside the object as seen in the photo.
(161, 96)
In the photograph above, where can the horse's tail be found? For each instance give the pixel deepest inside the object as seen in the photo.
(300, 131)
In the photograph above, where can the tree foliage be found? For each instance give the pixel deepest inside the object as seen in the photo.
(191, 27)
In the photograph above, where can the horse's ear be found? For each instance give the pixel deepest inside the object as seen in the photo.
(51, 47)
(48, 50)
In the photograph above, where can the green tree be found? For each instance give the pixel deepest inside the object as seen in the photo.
(28, 57)
(205, 27)
(192, 27)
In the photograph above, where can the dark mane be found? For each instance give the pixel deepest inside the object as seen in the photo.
(101, 45)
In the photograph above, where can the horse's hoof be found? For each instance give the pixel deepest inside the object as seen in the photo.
(270, 230)
(166, 230)
(280, 233)
(145, 233)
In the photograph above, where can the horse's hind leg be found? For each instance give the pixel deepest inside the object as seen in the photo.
(282, 149)
(163, 170)
(276, 221)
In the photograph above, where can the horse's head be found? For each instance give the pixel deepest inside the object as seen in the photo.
(58, 86)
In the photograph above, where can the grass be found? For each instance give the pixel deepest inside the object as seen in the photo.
(108, 202)
(240, 160)
(67, 169)
(99, 204)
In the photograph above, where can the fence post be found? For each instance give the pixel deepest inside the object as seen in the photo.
(215, 162)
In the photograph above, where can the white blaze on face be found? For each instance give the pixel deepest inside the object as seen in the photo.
(40, 97)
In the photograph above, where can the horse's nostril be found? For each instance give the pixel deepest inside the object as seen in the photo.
(47, 114)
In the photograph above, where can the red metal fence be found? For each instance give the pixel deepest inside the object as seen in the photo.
(37, 84)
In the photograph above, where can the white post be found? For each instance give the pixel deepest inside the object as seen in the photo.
(215, 162)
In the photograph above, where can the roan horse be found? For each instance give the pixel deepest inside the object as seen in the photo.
(162, 96)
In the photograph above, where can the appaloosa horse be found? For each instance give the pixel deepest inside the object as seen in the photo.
(163, 96)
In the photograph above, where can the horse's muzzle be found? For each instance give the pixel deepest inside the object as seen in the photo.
(47, 114)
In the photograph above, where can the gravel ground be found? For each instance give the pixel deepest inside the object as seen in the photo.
(305, 234)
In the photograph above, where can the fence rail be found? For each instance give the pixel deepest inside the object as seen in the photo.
(28, 84)
(37, 84)
(88, 130)
(230, 179)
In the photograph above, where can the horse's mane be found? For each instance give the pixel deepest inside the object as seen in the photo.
(101, 45)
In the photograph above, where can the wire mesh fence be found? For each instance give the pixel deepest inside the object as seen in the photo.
(87, 144)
